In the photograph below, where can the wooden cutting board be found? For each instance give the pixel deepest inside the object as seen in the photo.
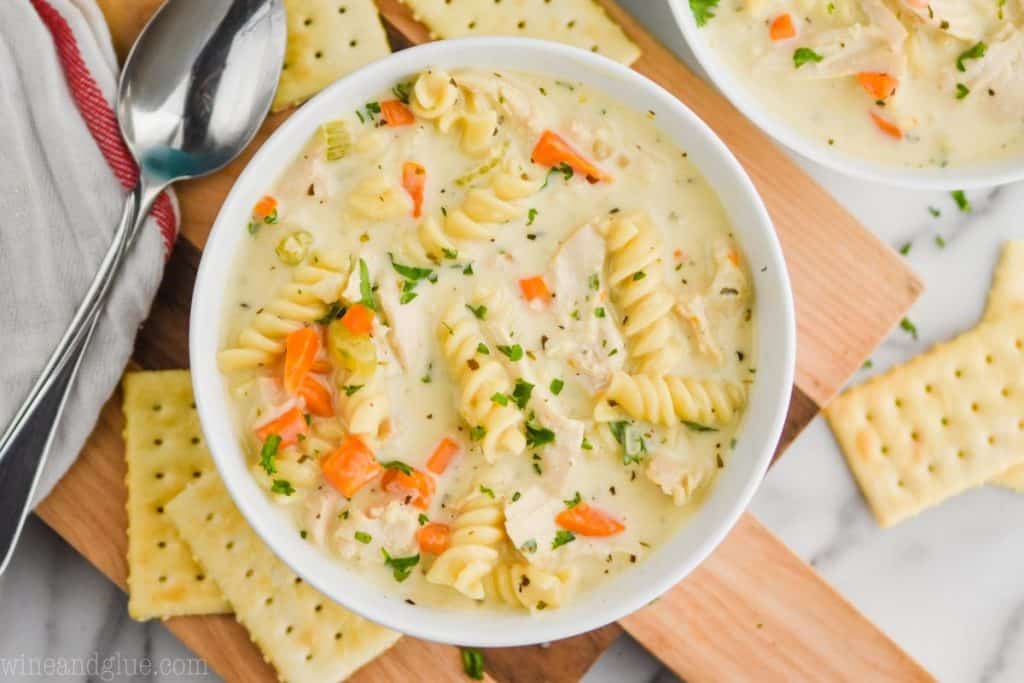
(752, 595)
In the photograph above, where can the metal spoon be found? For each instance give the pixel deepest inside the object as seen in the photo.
(194, 90)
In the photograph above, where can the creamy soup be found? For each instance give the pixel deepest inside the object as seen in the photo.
(489, 339)
(904, 82)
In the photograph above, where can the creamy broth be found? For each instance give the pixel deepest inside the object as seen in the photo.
(903, 82)
(567, 322)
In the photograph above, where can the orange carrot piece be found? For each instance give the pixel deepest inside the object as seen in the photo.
(414, 177)
(264, 207)
(300, 349)
(321, 366)
(416, 488)
(358, 319)
(878, 85)
(396, 114)
(589, 521)
(289, 425)
(434, 538)
(318, 398)
(887, 127)
(782, 28)
(442, 455)
(552, 150)
(350, 467)
(534, 288)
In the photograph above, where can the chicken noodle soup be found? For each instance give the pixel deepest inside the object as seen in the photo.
(490, 338)
(917, 83)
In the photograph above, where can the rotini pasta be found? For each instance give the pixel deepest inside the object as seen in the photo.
(377, 199)
(485, 208)
(637, 283)
(522, 584)
(435, 97)
(314, 285)
(666, 399)
(366, 412)
(477, 535)
(480, 377)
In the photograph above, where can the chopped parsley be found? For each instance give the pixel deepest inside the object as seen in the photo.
(514, 352)
(334, 311)
(586, 445)
(599, 312)
(940, 241)
(468, 270)
(563, 168)
(487, 491)
(962, 91)
(473, 663)
(402, 91)
(633, 446)
(537, 435)
(805, 55)
(282, 486)
(562, 537)
(530, 216)
(594, 282)
(703, 10)
(521, 393)
(934, 212)
(449, 253)
(366, 287)
(574, 501)
(369, 112)
(976, 51)
(639, 275)
(423, 519)
(529, 546)
(479, 311)
(478, 432)
(268, 454)
(363, 537)
(482, 349)
(401, 567)
(350, 389)
(868, 364)
(499, 398)
(698, 427)
(910, 327)
(397, 465)
(556, 386)
(961, 200)
(516, 496)
(905, 249)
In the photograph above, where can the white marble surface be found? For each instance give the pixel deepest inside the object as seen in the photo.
(946, 585)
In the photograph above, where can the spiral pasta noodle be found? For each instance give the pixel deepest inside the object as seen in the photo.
(377, 199)
(435, 97)
(484, 208)
(637, 283)
(314, 285)
(480, 377)
(666, 399)
(477, 534)
(366, 413)
(522, 584)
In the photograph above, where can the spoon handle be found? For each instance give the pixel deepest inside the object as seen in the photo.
(25, 442)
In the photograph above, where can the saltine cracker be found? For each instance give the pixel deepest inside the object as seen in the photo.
(302, 633)
(165, 452)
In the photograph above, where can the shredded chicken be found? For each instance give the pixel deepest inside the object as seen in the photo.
(391, 527)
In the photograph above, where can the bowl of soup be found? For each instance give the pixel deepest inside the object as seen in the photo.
(492, 341)
(908, 92)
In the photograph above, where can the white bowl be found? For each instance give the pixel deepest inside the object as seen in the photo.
(634, 588)
(964, 177)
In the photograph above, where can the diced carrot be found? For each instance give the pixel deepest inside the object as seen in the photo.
(442, 455)
(416, 488)
(300, 349)
(782, 28)
(264, 207)
(534, 288)
(396, 114)
(414, 177)
(433, 538)
(589, 521)
(288, 426)
(358, 319)
(878, 85)
(887, 127)
(321, 366)
(552, 150)
(350, 467)
(318, 398)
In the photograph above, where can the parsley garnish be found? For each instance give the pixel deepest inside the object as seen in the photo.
(556, 386)
(905, 249)
(423, 519)
(804, 55)
(514, 352)
(478, 432)
(522, 392)
(563, 168)
(586, 445)
(449, 253)
(401, 566)
(370, 110)
(412, 272)
(268, 454)
(940, 241)
(402, 91)
(350, 389)
(473, 663)
(976, 51)
(639, 275)
(594, 282)
(633, 446)
(499, 398)
(599, 312)
(530, 216)
(487, 491)
(479, 311)
(961, 200)
(397, 465)
(562, 537)
(537, 435)
(698, 427)
(365, 287)
(574, 501)
(363, 537)
(962, 91)
(703, 10)
(516, 496)
(282, 486)
(934, 212)
(481, 348)
(529, 546)
(335, 310)
(910, 327)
